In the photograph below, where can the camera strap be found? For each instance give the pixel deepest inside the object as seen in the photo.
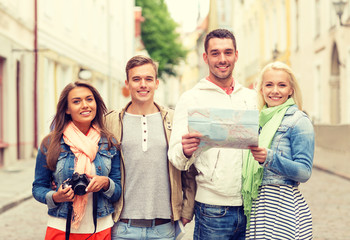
(94, 214)
(94, 210)
(69, 219)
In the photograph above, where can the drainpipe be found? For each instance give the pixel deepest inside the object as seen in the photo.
(35, 74)
(109, 56)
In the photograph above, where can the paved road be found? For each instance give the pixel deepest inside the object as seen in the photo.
(329, 199)
(27, 221)
(327, 195)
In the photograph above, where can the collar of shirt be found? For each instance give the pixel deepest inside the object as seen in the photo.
(228, 90)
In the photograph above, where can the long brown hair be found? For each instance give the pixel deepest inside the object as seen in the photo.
(52, 141)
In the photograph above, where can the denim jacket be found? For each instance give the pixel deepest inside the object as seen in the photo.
(290, 157)
(107, 163)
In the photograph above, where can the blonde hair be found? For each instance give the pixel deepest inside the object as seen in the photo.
(296, 95)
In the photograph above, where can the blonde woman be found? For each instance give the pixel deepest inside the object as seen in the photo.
(274, 206)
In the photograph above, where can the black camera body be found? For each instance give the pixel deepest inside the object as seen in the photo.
(78, 182)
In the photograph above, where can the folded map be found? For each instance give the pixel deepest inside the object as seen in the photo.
(224, 128)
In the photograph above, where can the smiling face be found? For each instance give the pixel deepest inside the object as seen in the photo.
(221, 57)
(142, 84)
(81, 107)
(276, 87)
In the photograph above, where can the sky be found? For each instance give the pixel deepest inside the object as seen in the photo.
(185, 12)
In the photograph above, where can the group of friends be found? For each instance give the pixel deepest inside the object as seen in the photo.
(144, 173)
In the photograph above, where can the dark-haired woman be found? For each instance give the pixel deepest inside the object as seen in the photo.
(79, 143)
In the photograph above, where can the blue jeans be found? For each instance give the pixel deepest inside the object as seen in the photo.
(219, 222)
(122, 230)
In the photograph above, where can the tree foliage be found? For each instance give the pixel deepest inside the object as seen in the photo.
(160, 37)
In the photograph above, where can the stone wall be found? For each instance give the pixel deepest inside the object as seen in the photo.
(333, 137)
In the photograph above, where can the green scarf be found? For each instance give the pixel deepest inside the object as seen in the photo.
(252, 173)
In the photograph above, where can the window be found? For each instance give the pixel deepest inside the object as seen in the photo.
(267, 38)
(348, 85)
(274, 32)
(18, 108)
(318, 95)
(47, 104)
(283, 26)
(348, 11)
(102, 86)
(317, 18)
(2, 144)
(296, 25)
(333, 18)
(84, 16)
(67, 15)
(64, 76)
(2, 61)
(49, 9)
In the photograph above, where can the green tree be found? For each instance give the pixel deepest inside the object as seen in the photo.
(160, 37)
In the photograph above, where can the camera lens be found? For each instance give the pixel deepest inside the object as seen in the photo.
(79, 189)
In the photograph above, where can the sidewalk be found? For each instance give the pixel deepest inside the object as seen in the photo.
(332, 161)
(16, 184)
(333, 149)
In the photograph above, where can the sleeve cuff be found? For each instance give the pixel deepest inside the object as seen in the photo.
(110, 191)
(49, 200)
(269, 158)
(188, 161)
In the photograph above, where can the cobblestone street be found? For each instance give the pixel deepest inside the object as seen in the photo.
(328, 196)
(329, 199)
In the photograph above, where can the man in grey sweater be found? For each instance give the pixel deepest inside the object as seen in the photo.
(152, 196)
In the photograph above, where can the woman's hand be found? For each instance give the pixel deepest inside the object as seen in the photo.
(259, 153)
(63, 195)
(97, 183)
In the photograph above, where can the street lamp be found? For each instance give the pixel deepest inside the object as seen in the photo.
(84, 74)
(339, 9)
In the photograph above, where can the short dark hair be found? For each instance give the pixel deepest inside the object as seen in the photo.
(219, 33)
(137, 61)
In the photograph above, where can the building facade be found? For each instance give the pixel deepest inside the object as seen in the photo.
(16, 79)
(44, 46)
(307, 36)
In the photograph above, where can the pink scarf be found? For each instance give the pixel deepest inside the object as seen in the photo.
(84, 148)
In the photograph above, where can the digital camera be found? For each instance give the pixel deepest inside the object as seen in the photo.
(78, 182)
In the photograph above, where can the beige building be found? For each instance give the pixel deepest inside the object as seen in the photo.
(193, 69)
(321, 57)
(16, 80)
(305, 35)
(46, 44)
(91, 37)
